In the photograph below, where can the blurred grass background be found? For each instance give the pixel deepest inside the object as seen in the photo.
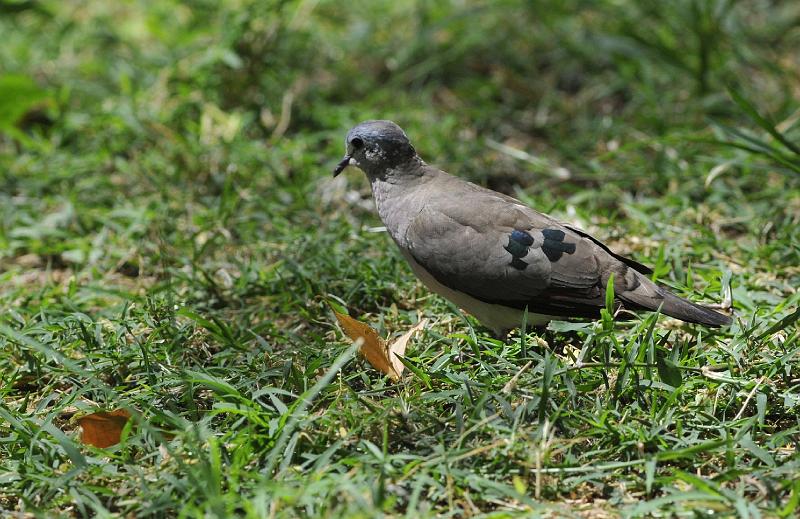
(170, 233)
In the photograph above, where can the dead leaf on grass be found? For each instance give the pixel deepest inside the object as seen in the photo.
(382, 355)
(103, 429)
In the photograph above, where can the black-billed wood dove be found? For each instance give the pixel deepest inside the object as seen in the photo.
(490, 254)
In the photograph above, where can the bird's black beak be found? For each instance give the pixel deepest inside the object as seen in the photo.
(340, 166)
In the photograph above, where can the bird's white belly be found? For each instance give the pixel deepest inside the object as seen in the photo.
(499, 318)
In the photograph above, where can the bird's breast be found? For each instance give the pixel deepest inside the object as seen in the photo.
(397, 207)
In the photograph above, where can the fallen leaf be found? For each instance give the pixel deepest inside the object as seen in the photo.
(381, 355)
(373, 348)
(398, 347)
(103, 429)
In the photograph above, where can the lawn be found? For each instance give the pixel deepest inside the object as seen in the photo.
(173, 244)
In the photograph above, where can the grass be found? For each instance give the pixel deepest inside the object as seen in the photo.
(170, 237)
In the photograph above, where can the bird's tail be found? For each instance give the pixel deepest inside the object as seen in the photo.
(649, 296)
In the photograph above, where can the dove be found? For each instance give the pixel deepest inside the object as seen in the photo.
(490, 254)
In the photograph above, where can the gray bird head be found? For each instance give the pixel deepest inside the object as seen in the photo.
(375, 147)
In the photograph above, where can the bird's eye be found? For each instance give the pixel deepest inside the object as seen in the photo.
(356, 142)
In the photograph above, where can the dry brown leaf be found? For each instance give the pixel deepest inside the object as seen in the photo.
(103, 429)
(373, 348)
(398, 347)
(381, 355)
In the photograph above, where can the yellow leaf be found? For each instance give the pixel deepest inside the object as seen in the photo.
(381, 355)
(103, 429)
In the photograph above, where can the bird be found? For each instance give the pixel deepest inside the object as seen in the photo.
(490, 254)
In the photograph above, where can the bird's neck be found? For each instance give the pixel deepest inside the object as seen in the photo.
(403, 171)
(399, 195)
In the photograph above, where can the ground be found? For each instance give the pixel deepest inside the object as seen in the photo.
(172, 241)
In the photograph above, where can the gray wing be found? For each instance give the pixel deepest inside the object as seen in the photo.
(499, 251)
